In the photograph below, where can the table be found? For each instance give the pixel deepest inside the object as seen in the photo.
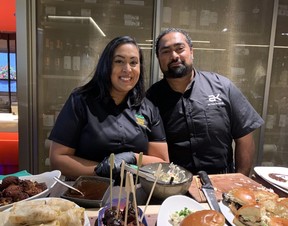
(230, 181)
(92, 213)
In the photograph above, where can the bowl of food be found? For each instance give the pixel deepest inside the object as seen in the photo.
(95, 189)
(172, 180)
(15, 189)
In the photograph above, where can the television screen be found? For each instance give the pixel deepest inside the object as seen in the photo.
(4, 86)
(4, 82)
(4, 66)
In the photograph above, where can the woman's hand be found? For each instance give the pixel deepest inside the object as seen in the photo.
(103, 168)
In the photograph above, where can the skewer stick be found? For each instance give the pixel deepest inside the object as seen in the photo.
(112, 157)
(139, 164)
(127, 189)
(157, 174)
(121, 184)
(134, 198)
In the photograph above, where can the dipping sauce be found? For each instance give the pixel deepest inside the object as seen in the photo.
(279, 177)
(92, 189)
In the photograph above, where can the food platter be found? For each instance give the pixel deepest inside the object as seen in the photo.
(121, 206)
(225, 210)
(175, 203)
(86, 219)
(46, 177)
(96, 190)
(277, 176)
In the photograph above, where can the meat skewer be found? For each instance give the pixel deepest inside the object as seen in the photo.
(112, 158)
(121, 184)
(157, 174)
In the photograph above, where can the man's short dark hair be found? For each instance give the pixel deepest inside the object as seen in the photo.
(169, 30)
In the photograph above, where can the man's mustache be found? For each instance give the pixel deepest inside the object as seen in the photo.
(175, 61)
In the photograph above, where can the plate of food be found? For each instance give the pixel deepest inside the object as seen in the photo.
(274, 175)
(226, 211)
(253, 206)
(107, 214)
(175, 208)
(16, 189)
(96, 191)
(45, 211)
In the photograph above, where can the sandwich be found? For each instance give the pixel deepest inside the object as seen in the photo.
(238, 197)
(277, 221)
(266, 198)
(250, 215)
(204, 218)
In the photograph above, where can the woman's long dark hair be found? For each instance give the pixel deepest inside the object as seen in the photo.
(100, 85)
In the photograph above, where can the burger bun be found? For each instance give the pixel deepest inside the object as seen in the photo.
(204, 218)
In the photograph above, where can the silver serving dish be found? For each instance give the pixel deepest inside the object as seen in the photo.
(162, 189)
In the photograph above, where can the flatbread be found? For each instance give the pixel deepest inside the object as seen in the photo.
(44, 212)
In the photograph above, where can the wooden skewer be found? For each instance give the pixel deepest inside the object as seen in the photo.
(121, 184)
(139, 165)
(112, 157)
(134, 198)
(127, 189)
(157, 174)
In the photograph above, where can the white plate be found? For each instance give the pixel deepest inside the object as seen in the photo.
(86, 222)
(46, 177)
(264, 171)
(226, 212)
(175, 203)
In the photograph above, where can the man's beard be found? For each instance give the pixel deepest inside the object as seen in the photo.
(179, 71)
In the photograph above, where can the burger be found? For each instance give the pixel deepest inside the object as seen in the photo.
(250, 215)
(277, 221)
(238, 197)
(204, 218)
(266, 198)
(284, 201)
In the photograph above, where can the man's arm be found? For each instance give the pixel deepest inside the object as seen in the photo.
(244, 154)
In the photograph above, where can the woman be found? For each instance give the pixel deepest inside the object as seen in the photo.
(109, 115)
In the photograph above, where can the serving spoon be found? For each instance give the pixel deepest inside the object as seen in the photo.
(68, 186)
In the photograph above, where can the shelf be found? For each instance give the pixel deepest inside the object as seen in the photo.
(68, 77)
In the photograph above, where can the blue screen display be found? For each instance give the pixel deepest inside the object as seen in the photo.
(4, 83)
(4, 66)
(4, 86)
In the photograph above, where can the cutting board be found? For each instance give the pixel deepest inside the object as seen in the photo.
(222, 183)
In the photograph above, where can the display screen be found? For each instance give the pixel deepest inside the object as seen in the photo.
(4, 82)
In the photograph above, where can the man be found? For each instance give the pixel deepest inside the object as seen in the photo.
(203, 112)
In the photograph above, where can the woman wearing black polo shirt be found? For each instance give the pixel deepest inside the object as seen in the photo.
(109, 115)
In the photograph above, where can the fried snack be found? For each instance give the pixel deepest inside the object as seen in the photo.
(13, 189)
(44, 212)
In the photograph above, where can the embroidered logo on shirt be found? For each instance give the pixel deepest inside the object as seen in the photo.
(140, 120)
(215, 100)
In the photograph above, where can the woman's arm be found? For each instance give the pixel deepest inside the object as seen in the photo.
(62, 158)
(157, 152)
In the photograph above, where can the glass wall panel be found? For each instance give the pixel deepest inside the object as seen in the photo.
(275, 151)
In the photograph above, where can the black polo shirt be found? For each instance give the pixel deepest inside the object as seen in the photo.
(201, 123)
(96, 128)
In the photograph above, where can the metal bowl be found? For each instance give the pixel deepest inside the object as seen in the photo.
(164, 190)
